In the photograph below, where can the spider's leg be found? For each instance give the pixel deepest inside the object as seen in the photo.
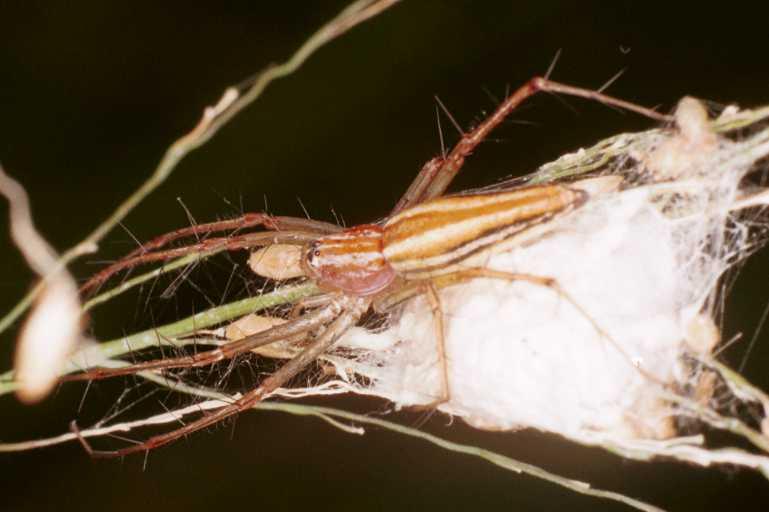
(440, 344)
(312, 302)
(547, 282)
(293, 330)
(205, 248)
(245, 221)
(416, 192)
(437, 174)
(352, 307)
(386, 302)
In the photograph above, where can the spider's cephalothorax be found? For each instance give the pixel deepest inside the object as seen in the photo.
(351, 261)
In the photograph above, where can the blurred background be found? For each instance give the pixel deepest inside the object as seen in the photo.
(93, 92)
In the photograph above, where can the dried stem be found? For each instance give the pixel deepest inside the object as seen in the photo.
(215, 400)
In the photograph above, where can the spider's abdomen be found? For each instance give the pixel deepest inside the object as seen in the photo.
(350, 261)
(437, 236)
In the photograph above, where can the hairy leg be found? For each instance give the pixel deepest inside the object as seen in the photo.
(438, 173)
(296, 329)
(205, 248)
(352, 309)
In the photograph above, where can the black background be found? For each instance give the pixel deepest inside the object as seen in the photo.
(92, 93)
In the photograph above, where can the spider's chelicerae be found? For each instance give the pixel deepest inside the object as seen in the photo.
(427, 242)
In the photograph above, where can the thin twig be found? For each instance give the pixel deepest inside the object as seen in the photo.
(217, 400)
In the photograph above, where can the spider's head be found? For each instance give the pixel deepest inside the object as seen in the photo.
(350, 261)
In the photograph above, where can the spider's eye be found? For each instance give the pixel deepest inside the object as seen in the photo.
(313, 252)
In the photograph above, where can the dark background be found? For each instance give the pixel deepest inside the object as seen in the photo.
(92, 93)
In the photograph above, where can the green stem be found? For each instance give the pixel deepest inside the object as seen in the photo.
(165, 335)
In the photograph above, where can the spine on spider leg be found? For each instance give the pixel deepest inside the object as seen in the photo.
(439, 179)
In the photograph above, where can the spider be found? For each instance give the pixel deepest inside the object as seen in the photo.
(426, 243)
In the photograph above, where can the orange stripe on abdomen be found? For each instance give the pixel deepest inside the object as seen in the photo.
(449, 229)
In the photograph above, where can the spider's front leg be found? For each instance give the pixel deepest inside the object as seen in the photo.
(352, 308)
(292, 331)
(289, 230)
